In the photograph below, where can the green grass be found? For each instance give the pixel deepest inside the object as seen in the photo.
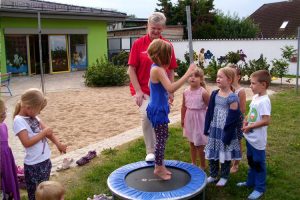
(283, 159)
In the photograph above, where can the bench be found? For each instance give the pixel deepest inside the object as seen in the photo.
(5, 80)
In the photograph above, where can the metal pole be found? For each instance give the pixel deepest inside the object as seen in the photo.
(298, 61)
(189, 28)
(40, 48)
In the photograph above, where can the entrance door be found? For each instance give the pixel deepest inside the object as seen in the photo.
(59, 61)
(35, 54)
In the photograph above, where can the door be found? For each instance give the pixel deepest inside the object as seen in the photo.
(58, 48)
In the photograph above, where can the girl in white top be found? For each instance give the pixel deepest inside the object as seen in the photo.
(240, 92)
(33, 134)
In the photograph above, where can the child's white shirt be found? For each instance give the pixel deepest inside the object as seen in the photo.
(38, 152)
(259, 106)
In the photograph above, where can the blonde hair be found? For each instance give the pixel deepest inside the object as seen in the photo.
(49, 190)
(157, 18)
(262, 76)
(238, 70)
(2, 106)
(32, 98)
(228, 72)
(160, 52)
(200, 73)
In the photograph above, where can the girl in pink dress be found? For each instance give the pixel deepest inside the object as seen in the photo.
(193, 110)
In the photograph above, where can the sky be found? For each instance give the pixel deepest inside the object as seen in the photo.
(143, 8)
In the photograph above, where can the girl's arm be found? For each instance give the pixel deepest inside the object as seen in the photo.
(183, 110)
(28, 142)
(61, 147)
(242, 97)
(158, 74)
(205, 97)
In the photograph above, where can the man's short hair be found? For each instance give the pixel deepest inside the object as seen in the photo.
(262, 76)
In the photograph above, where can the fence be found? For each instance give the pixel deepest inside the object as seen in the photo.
(270, 48)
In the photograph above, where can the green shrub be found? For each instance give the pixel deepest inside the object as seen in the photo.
(121, 58)
(104, 73)
(233, 57)
(254, 65)
(212, 69)
(182, 68)
(280, 68)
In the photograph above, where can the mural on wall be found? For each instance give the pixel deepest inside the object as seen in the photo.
(16, 54)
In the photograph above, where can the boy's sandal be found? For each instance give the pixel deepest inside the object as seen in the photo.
(91, 155)
(82, 161)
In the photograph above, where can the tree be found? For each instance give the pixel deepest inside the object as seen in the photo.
(207, 23)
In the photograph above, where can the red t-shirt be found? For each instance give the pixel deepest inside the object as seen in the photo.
(139, 59)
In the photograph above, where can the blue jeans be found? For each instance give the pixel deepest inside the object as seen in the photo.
(257, 172)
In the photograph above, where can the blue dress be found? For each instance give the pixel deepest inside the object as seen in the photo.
(158, 107)
(215, 148)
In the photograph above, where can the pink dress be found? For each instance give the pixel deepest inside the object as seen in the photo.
(194, 116)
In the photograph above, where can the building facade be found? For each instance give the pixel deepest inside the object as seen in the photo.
(72, 37)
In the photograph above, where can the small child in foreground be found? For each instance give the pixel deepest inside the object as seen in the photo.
(50, 190)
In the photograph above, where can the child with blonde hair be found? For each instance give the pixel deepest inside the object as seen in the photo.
(158, 109)
(241, 93)
(33, 134)
(193, 110)
(221, 122)
(50, 190)
(8, 170)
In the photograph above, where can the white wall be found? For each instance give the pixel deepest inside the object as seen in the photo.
(270, 48)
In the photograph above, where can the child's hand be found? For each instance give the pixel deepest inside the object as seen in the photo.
(192, 68)
(48, 132)
(62, 148)
(246, 129)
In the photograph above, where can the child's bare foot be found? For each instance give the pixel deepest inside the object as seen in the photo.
(234, 169)
(167, 171)
(163, 175)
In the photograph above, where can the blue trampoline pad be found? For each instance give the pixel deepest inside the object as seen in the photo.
(137, 181)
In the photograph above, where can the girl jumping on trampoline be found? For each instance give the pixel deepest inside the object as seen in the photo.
(33, 135)
(193, 110)
(221, 124)
(8, 173)
(158, 109)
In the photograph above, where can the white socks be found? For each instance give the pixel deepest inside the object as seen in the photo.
(211, 179)
(222, 182)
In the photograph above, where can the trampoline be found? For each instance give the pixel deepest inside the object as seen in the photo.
(137, 181)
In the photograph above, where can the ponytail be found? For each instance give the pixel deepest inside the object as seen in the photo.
(17, 109)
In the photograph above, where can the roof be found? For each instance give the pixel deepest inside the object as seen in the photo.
(270, 17)
(29, 8)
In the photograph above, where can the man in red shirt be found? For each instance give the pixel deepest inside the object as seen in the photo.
(139, 73)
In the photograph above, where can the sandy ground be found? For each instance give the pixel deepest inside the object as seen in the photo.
(84, 117)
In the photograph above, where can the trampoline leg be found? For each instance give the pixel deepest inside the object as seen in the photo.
(203, 195)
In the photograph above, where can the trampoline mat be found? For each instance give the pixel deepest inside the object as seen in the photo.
(143, 179)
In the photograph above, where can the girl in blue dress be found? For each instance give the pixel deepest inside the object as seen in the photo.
(160, 53)
(221, 124)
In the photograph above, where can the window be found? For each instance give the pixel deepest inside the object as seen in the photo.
(16, 54)
(78, 52)
(284, 24)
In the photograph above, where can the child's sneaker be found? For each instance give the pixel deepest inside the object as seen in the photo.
(211, 179)
(222, 182)
(255, 195)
